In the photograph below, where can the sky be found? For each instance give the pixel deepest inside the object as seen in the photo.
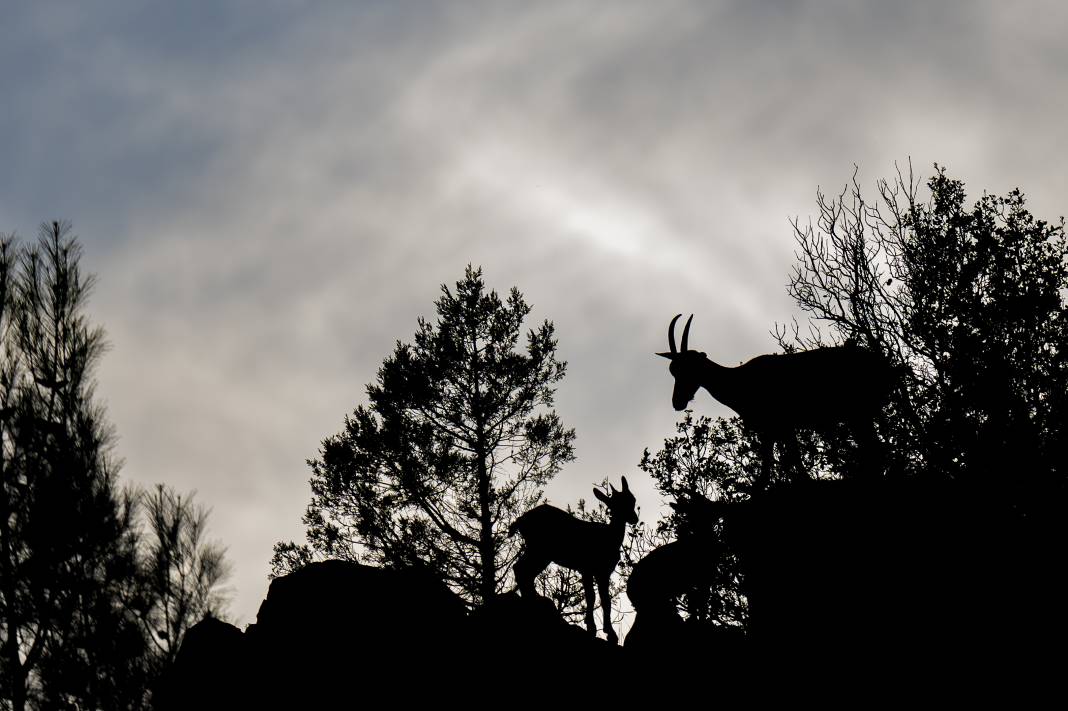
(272, 193)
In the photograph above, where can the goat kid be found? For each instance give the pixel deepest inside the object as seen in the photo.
(591, 549)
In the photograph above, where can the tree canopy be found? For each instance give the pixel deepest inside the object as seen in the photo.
(67, 538)
(968, 301)
(457, 439)
(83, 588)
(181, 571)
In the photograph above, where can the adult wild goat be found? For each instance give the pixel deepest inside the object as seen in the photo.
(778, 394)
(589, 548)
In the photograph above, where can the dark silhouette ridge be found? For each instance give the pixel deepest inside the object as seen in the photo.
(777, 394)
(321, 633)
(552, 535)
(861, 586)
(901, 578)
(335, 633)
(328, 617)
(871, 587)
(207, 671)
(534, 649)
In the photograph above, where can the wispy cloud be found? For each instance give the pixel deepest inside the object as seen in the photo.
(271, 193)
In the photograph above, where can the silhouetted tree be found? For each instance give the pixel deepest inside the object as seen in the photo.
(181, 571)
(718, 460)
(67, 539)
(84, 593)
(968, 300)
(456, 442)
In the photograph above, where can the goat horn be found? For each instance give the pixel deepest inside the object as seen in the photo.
(671, 334)
(625, 486)
(686, 333)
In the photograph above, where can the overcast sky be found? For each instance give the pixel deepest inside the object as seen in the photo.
(271, 193)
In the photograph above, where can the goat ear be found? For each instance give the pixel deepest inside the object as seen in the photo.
(600, 496)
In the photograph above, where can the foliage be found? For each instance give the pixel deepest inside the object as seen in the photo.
(73, 562)
(717, 460)
(968, 302)
(181, 571)
(67, 541)
(457, 440)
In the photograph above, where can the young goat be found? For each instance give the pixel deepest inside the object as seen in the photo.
(591, 549)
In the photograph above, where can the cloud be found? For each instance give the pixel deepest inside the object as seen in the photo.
(271, 194)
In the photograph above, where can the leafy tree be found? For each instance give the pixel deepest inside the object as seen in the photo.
(718, 460)
(457, 440)
(969, 301)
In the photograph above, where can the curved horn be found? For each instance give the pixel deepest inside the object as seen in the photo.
(625, 486)
(686, 333)
(671, 334)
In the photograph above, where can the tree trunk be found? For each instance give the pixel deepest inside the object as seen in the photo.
(486, 549)
(16, 671)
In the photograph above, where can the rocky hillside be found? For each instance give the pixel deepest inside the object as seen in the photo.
(881, 584)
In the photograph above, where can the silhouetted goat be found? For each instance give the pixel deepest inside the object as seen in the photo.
(589, 548)
(684, 566)
(778, 394)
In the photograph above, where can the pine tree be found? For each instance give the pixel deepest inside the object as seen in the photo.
(457, 440)
(67, 539)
